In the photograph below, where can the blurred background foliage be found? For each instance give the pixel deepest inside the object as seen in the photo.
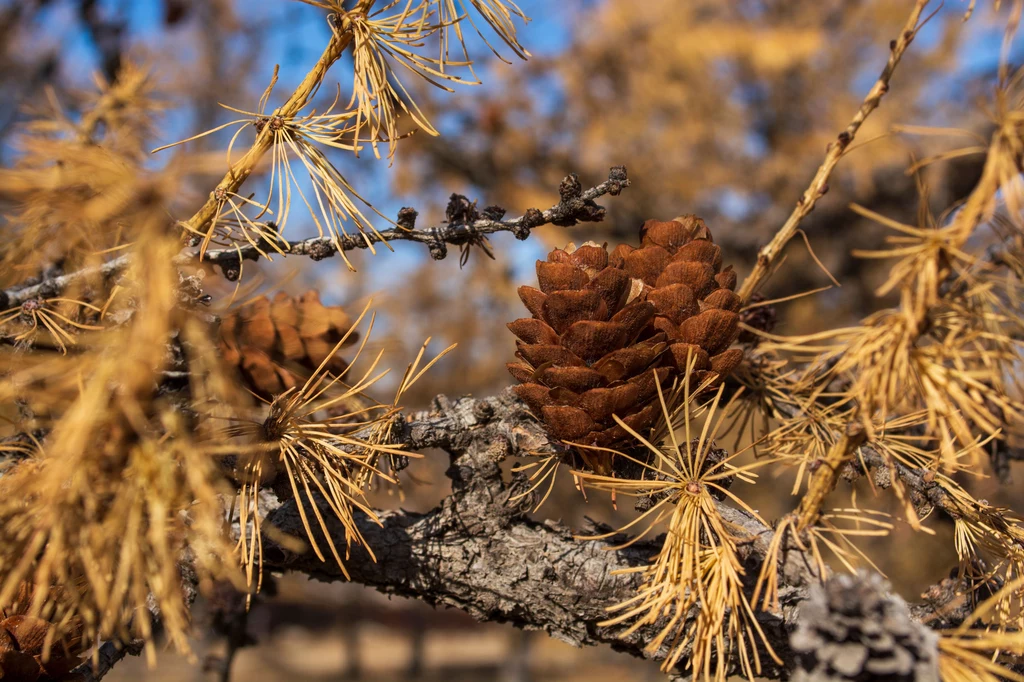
(723, 109)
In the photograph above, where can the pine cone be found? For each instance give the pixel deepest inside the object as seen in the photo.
(853, 629)
(278, 344)
(582, 358)
(23, 642)
(607, 329)
(697, 311)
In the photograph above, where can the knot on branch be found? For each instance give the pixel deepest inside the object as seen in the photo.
(320, 250)
(494, 213)
(573, 207)
(231, 268)
(617, 179)
(854, 628)
(590, 212)
(533, 217)
(570, 188)
(760, 318)
(436, 244)
(407, 218)
(461, 211)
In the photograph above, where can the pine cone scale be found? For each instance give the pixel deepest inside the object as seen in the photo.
(541, 354)
(591, 340)
(562, 309)
(34, 647)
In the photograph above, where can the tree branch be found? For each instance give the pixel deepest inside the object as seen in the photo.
(575, 205)
(237, 174)
(464, 228)
(480, 552)
(768, 255)
(109, 655)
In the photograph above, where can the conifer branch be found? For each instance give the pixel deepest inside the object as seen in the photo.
(918, 308)
(466, 226)
(770, 253)
(481, 553)
(341, 39)
(576, 205)
(131, 430)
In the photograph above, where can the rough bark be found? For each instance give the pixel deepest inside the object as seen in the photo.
(481, 553)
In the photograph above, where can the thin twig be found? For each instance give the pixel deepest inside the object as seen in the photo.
(110, 654)
(819, 185)
(573, 207)
(825, 478)
(51, 286)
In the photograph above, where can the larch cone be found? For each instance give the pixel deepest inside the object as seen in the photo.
(607, 328)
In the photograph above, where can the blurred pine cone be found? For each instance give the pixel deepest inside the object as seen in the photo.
(607, 327)
(278, 344)
(854, 628)
(23, 640)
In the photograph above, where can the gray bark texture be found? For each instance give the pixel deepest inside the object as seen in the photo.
(481, 553)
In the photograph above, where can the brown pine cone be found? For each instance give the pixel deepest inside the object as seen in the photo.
(606, 328)
(23, 643)
(583, 361)
(697, 311)
(278, 344)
